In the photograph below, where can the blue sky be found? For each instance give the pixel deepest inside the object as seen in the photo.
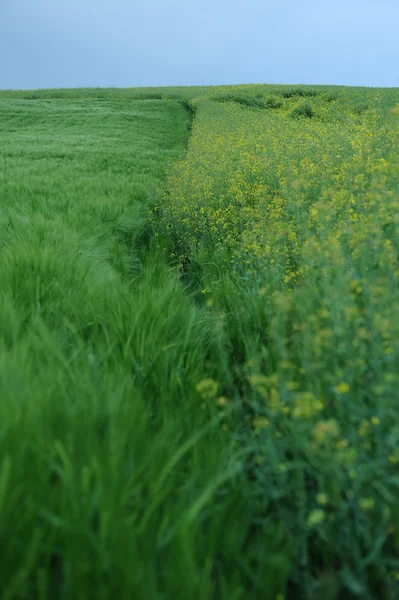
(128, 43)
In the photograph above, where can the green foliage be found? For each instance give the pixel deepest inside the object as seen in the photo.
(301, 92)
(274, 102)
(302, 110)
(286, 221)
(198, 344)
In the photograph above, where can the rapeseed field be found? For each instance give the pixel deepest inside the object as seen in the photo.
(199, 343)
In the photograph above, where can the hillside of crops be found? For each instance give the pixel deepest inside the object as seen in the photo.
(199, 343)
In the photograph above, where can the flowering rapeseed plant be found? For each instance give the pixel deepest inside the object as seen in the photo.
(293, 225)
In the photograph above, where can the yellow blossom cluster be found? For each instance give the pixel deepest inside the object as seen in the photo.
(287, 203)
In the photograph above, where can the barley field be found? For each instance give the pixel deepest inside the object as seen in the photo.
(199, 343)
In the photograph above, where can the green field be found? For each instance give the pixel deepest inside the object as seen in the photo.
(199, 343)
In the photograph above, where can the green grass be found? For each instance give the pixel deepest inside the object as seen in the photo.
(159, 369)
(101, 455)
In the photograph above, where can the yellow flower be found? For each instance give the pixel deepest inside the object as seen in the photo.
(342, 388)
(260, 423)
(306, 405)
(222, 401)
(207, 388)
(326, 430)
(322, 499)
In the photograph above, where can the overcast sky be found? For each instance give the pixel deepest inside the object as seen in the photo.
(127, 43)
